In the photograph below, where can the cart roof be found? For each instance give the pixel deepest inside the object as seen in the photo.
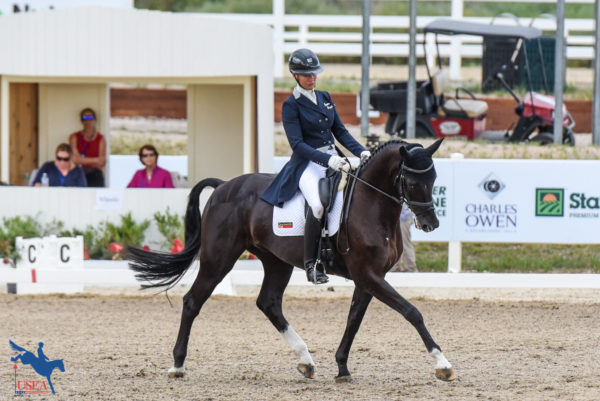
(454, 27)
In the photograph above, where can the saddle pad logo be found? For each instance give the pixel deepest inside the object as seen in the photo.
(286, 224)
(549, 202)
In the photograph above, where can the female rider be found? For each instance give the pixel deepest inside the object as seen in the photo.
(311, 123)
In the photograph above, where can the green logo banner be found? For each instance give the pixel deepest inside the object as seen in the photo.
(549, 202)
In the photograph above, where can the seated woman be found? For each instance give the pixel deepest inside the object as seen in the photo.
(152, 176)
(62, 172)
(89, 148)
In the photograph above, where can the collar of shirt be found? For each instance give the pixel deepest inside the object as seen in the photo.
(298, 90)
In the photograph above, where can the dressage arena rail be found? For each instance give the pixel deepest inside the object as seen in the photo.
(249, 273)
(339, 35)
(477, 200)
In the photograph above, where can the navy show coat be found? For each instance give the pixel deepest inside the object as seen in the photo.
(308, 126)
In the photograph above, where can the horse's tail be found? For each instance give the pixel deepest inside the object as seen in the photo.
(162, 269)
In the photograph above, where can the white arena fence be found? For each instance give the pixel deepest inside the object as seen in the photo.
(340, 35)
(98, 274)
(477, 200)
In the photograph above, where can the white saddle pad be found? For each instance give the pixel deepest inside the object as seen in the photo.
(289, 219)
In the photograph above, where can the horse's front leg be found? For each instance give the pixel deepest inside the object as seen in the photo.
(360, 302)
(383, 291)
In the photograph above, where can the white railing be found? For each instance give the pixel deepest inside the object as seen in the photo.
(320, 33)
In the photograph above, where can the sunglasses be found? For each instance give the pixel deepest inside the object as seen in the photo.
(144, 155)
(63, 159)
(87, 117)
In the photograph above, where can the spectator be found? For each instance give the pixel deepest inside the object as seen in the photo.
(152, 176)
(89, 148)
(62, 172)
(408, 259)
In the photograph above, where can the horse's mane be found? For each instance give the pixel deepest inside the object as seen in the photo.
(379, 149)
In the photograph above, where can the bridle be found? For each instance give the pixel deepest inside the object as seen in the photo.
(400, 183)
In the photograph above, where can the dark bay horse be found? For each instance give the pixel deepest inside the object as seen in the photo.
(236, 219)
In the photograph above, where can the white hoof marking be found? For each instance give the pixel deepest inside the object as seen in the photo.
(298, 345)
(440, 360)
(177, 372)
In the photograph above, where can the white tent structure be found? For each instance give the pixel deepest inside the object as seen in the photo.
(54, 63)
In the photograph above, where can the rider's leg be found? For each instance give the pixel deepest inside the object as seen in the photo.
(309, 182)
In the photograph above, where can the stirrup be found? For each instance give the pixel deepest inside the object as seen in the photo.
(316, 276)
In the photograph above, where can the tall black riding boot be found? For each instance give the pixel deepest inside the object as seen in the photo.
(312, 232)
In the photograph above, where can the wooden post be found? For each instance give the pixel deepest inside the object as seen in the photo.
(23, 131)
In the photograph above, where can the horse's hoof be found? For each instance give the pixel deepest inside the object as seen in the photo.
(176, 372)
(343, 379)
(307, 371)
(445, 374)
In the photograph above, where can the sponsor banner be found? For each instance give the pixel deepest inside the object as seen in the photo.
(518, 201)
(442, 193)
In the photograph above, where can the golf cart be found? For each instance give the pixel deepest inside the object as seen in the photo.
(440, 115)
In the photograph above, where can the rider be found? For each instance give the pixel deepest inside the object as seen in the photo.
(311, 123)
(40, 352)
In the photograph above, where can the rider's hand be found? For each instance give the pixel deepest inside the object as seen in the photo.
(365, 154)
(338, 164)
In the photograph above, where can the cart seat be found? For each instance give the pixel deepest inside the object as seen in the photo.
(471, 107)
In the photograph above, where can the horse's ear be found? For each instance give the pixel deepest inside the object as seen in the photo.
(403, 152)
(434, 146)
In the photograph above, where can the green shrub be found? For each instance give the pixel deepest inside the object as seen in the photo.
(170, 225)
(11, 228)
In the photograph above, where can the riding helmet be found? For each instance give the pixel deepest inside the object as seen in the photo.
(304, 62)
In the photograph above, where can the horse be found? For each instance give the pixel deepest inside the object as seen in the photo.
(41, 367)
(235, 219)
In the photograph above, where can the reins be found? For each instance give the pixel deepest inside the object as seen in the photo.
(397, 200)
(399, 177)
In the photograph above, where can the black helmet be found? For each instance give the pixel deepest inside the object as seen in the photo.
(304, 62)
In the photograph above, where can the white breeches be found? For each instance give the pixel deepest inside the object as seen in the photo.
(309, 185)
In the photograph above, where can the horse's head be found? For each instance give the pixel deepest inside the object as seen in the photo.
(415, 183)
(60, 364)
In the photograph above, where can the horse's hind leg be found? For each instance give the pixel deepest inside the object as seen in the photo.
(277, 276)
(383, 291)
(212, 271)
(360, 302)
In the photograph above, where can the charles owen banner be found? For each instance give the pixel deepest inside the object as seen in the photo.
(543, 201)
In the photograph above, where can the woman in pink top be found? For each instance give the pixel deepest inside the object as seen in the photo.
(152, 176)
